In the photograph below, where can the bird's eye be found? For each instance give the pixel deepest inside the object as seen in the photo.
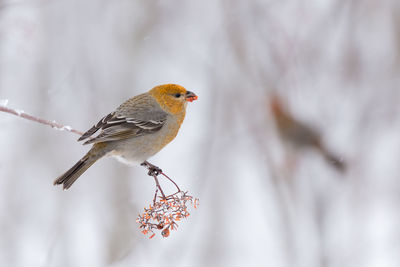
(177, 95)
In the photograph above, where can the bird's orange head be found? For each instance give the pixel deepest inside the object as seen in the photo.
(172, 97)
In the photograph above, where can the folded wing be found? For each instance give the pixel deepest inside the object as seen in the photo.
(138, 116)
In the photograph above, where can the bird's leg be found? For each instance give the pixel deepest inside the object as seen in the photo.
(153, 170)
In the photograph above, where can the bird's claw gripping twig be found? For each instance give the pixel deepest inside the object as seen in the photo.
(153, 170)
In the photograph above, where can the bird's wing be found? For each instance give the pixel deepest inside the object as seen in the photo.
(103, 122)
(122, 128)
(138, 116)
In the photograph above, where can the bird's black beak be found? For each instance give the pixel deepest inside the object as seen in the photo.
(190, 96)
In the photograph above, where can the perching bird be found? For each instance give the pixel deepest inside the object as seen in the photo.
(137, 130)
(299, 135)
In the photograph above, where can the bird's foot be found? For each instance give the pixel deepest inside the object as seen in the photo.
(153, 170)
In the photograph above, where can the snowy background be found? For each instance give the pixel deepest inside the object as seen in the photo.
(335, 62)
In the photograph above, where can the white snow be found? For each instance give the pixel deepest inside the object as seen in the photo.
(3, 102)
(19, 111)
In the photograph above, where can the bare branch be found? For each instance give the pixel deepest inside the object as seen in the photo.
(52, 124)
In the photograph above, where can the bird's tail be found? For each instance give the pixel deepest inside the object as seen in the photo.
(70, 176)
(333, 160)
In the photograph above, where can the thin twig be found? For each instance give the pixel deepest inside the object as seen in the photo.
(155, 196)
(158, 185)
(166, 176)
(52, 124)
(154, 171)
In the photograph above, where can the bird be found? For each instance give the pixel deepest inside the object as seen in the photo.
(300, 135)
(138, 129)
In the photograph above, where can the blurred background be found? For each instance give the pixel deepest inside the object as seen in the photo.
(263, 201)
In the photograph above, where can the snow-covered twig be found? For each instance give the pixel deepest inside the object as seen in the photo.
(22, 114)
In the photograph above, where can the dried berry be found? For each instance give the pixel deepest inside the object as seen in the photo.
(164, 214)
